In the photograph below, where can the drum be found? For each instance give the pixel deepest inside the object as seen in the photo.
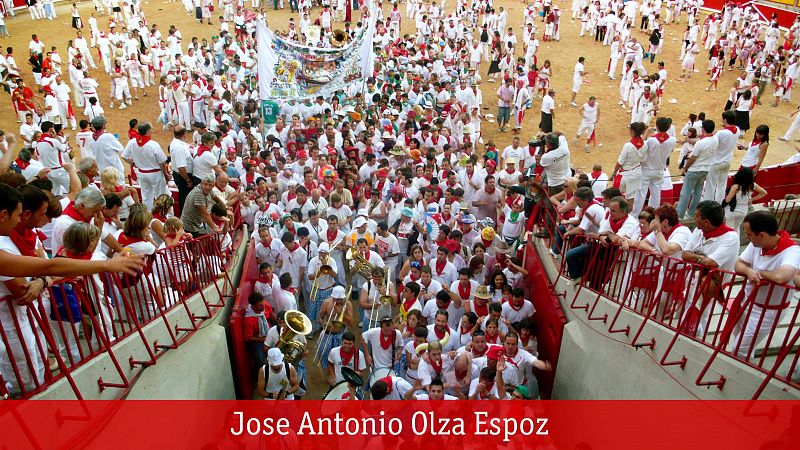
(377, 374)
(339, 390)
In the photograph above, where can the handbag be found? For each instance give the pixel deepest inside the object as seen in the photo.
(64, 297)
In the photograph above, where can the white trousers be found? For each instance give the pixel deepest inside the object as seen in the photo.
(651, 181)
(152, 185)
(716, 182)
(183, 117)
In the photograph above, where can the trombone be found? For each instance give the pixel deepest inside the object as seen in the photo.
(337, 325)
(377, 303)
(324, 269)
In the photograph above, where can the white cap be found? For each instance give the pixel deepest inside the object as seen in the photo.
(359, 222)
(324, 248)
(292, 183)
(338, 292)
(274, 357)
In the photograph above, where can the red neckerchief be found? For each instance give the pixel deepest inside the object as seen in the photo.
(717, 232)
(489, 388)
(412, 277)
(22, 164)
(784, 241)
(464, 292)
(290, 196)
(492, 340)
(596, 173)
(125, 240)
(486, 243)
(25, 240)
(439, 334)
(616, 224)
(667, 235)
(440, 267)
(68, 254)
(290, 289)
(481, 310)
(407, 304)
(73, 213)
(661, 137)
(263, 279)
(436, 367)
(478, 354)
(733, 129)
(346, 357)
(108, 219)
(386, 342)
(202, 149)
(389, 384)
(249, 178)
(331, 234)
(637, 142)
(515, 308)
(755, 142)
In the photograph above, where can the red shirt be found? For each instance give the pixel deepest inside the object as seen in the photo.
(22, 99)
(250, 324)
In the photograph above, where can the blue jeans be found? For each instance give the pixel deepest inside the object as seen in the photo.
(692, 190)
(576, 260)
(559, 240)
(293, 6)
(503, 115)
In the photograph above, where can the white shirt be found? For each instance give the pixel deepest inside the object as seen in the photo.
(448, 275)
(556, 164)
(515, 315)
(106, 151)
(181, 155)
(724, 249)
(380, 357)
(292, 263)
(335, 359)
(628, 229)
(147, 157)
(704, 151)
(757, 260)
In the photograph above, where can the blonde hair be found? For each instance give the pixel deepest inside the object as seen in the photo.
(138, 221)
(110, 178)
(172, 225)
(571, 183)
(163, 204)
(79, 236)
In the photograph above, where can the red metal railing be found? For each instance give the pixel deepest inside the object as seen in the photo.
(756, 324)
(761, 329)
(79, 319)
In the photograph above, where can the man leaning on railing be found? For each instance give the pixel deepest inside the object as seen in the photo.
(716, 246)
(771, 257)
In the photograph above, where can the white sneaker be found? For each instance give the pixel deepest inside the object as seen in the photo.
(573, 104)
(574, 282)
(587, 148)
(123, 106)
(111, 106)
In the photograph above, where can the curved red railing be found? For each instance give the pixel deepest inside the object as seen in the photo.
(80, 319)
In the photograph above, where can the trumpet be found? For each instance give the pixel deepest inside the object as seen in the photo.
(362, 266)
(337, 326)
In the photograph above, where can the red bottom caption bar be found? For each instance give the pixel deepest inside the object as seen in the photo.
(406, 425)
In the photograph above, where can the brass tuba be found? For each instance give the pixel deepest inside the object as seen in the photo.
(362, 266)
(338, 38)
(297, 324)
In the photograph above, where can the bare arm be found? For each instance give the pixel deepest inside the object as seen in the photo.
(760, 193)
(29, 266)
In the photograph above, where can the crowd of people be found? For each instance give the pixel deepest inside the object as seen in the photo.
(389, 188)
